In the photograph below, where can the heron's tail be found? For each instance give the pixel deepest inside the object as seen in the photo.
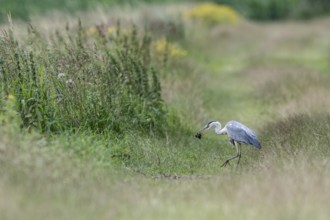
(257, 144)
(254, 141)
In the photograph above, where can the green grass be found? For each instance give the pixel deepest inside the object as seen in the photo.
(231, 72)
(287, 181)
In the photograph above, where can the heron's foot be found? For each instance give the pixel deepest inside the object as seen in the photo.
(225, 163)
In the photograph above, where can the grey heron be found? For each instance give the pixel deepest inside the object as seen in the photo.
(237, 134)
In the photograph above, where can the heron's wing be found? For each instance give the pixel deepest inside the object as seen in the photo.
(241, 133)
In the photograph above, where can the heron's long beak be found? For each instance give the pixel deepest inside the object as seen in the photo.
(200, 132)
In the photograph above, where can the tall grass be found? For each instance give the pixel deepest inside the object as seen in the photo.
(101, 82)
(300, 134)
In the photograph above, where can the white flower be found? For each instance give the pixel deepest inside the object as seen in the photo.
(69, 81)
(60, 75)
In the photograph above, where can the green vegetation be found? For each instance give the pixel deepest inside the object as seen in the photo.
(97, 117)
(254, 9)
(102, 83)
(211, 14)
(280, 9)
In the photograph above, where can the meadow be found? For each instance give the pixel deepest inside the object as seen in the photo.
(98, 115)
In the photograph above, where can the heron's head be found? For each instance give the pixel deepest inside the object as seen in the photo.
(204, 129)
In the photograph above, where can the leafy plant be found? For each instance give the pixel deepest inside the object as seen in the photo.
(103, 83)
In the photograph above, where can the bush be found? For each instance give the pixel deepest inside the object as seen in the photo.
(103, 83)
(211, 13)
(279, 9)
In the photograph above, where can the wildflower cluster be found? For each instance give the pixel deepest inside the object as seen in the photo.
(8, 115)
(212, 13)
(162, 47)
(108, 31)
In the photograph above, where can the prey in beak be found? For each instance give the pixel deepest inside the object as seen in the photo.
(200, 132)
(198, 135)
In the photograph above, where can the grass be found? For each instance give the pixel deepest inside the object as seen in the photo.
(227, 74)
(74, 190)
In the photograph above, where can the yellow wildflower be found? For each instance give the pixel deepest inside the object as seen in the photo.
(213, 14)
(111, 30)
(92, 31)
(11, 97)
(162, 46)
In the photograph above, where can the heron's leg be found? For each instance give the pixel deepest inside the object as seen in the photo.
(238, 150)
(238, 147)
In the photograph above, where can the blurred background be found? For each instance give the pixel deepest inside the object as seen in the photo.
(254, 9)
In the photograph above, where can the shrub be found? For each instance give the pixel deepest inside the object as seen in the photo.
(77, 81)
(279, 9)
(211, 13)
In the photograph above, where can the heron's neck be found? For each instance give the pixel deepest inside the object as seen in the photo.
(217, 126)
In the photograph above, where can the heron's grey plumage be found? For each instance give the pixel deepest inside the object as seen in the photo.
(239, 132)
